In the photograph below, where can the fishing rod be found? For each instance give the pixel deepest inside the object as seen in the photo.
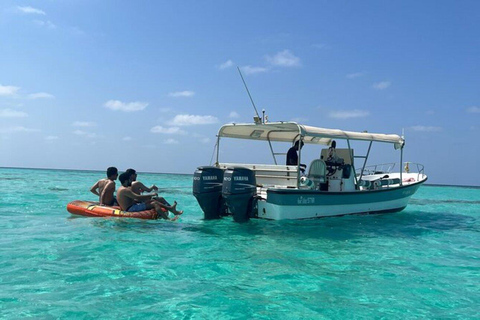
(245, 84)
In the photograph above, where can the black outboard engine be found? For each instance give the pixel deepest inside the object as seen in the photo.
(239, 189)
(207, 188)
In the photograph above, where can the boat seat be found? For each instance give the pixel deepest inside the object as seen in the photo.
(316, 172)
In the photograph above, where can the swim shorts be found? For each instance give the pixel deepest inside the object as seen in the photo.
(141, 206)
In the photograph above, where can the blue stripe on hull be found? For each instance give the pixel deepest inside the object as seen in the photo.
(349, 213)
(299, 197)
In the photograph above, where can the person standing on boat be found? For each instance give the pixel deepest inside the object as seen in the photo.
(292, 156)
(139, 188)
(133, 202)
(105, 188)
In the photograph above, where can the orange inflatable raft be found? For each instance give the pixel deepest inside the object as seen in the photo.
(94, 209)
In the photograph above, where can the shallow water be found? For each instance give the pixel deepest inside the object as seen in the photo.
(423, 262)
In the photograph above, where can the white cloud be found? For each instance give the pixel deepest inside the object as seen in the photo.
(284, 59)
(171, 141)
(127, 139)
(117, 105)
(17, 129)
(253, 70)
(9, 113)
(47, 24)
(50, 138)
(473, 110)
(188, 120)
(40, 95)
(381, 85)
(227, 64)
(234, 115)
(182, 94)
(84, 134)
(8, 90)
(170, 130)
(347, 114)
(84, 124)
(426, 128)
(30, 10)
(355, 75)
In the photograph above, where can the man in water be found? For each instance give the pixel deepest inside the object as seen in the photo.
(139, 188)
(134, 202)
(292, 156)
(105, 188)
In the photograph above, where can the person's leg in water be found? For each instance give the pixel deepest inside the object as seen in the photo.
(161, 214)
(164, 204)
(152, 204)
(162, 200)
(174, 206)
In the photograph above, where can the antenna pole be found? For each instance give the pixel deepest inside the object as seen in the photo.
(248, 92)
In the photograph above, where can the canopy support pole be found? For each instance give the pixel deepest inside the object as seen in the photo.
(401, 166)
(352, 161)
(365, 162)
(218, 150)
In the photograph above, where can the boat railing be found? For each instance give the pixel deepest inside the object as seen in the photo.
(387, 168)
(413, 167)
(266, 174)
(376, 169)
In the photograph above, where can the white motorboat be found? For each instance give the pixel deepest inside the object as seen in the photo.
(331, 186)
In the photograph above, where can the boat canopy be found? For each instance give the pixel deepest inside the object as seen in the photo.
(290, 131)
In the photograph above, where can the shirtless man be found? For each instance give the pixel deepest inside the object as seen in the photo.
(140, 188)
(134, 202)
(105, 188)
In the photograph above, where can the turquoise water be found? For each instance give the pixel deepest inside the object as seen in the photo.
(423, 262)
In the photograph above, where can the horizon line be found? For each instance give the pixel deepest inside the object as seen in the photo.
(190, 174)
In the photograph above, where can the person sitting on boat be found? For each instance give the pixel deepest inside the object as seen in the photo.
(104, 188)
(127, 200)
(292, 156)
(139, 188)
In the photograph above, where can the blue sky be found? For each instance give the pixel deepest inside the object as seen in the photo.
(91, 84)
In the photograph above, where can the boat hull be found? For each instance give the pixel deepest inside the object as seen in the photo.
(282, 204)
(94, 209)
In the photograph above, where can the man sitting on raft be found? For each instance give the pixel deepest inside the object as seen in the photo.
(105, 188)
(126, 199)
(139, 188)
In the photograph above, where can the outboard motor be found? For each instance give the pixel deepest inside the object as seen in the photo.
(207, 188)
(239, 189)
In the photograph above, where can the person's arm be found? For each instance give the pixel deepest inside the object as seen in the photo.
(143, 187)
(94, 189)
(139, 197)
